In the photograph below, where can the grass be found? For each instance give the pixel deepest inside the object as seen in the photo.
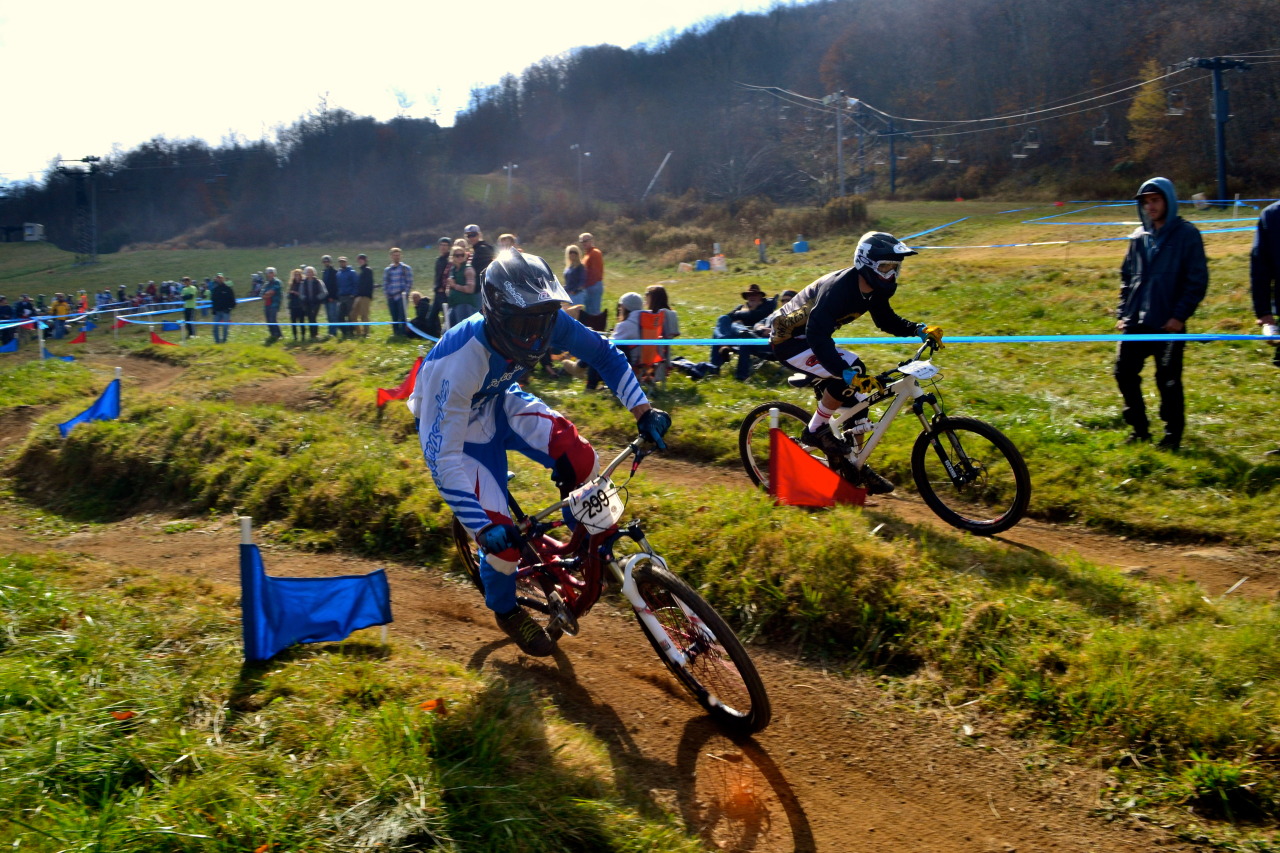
(127, 723)
(1175, 694)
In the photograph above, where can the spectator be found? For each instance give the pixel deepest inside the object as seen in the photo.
(189, 305)
(7, 315)
(460, 281)
(364, 294)
(348, 289)
(575, 274)
(272, 296)
(25, 309)
(421, 312)
(593, 260)
(1264, 272)
(508, 243)
(60, 310)
(397, 281)
(224, 302)
(661, 318)
(1163, 279)
(481, 252)
(439, 293)
(122, 293)
(297, 310)
(740, 323)
(630, 307)
(314, 294)
(332, 299)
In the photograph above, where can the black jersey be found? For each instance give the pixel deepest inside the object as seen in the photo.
(810, 319)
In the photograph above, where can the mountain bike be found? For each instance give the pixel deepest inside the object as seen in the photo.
(559, 582)
(967, 471)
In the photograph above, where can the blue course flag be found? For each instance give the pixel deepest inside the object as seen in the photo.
(89, 325)
(48, 354)
(107, 408)
(12, 346)
(278, 612)
(170, 327)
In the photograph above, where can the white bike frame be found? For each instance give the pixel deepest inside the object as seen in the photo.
(904, 389)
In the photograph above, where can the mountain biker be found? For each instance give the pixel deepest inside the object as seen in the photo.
(801, 335)
(470, 412)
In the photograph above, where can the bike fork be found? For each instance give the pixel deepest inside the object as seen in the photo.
(624, 576)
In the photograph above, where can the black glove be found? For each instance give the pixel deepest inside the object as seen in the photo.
(653, 425)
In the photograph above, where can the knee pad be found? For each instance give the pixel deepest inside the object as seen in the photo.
(842, 392)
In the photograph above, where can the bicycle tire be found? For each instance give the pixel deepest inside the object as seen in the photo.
(997, 489)
(531, 592)
(718, 671)
(753, 438)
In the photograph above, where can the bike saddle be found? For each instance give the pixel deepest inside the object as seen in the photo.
(799, 380)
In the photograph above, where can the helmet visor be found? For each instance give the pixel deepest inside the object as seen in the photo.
(530, 331)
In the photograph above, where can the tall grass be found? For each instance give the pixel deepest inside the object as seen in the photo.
(128, 723)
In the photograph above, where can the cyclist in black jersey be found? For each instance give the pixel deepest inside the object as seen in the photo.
(801, 334)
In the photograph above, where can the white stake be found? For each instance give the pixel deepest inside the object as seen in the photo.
(246, 530)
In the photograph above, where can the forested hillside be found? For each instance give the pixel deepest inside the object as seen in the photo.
(737, 102)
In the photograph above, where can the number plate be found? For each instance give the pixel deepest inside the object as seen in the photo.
(920, 369)
(596, 506)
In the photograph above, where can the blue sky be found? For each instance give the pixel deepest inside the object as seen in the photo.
(83, 77)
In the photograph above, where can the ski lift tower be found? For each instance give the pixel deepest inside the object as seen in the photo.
(1221, 110)
(86, 208)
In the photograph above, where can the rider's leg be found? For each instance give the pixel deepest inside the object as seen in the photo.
(550, 439)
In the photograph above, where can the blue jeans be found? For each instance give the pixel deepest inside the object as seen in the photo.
(333, 313)
(396, 306)
(727, 328)
(592, 296)
(220, 327)
(270, 313)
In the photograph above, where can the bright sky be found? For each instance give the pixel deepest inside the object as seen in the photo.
(83, 76)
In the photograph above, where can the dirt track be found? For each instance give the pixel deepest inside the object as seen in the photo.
(842, 768)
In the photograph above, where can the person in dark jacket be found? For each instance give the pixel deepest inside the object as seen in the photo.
(1264, 272)
(481, 252)
(223, 302)
(314, 294)
(332, 298)
(7, 315)
(364, 294)
(348, 288)
(801, 332)
(1162, 281)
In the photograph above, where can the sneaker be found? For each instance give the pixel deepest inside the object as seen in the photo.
(873, 482)
(527, 634)
(819, 440)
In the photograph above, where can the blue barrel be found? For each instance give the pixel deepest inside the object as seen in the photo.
(702, 266)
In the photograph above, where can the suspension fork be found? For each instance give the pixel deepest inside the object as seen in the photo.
(623, 573)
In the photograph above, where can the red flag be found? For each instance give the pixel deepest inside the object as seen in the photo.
(79, 339)
(156, 339)
(120, 324)
(797, 479)
(28, 326)
(406, 387)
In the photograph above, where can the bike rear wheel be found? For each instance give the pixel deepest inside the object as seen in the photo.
(971, 475)
(533, 592)
(753, 438)
(717, 669)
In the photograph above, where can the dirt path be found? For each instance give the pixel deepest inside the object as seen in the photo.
(842, 768)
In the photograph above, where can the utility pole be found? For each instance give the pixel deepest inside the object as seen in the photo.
(838, 99)
(577, 147)
(86, 199)
(510, 167)
(1221, 109)
(893, 160)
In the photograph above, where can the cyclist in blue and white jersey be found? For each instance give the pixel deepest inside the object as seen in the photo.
(471, 411)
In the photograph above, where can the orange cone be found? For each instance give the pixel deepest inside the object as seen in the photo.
(156, 339)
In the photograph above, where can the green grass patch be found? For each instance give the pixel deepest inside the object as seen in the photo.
(35, 383)
(128, 723)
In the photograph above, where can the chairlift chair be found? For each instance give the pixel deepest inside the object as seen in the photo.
(938, 156)
(1031, 139)
(1019, 152)
(1176, 103)
(1101, 135)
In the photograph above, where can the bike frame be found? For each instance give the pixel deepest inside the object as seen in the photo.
(595, 551)
(902, 390)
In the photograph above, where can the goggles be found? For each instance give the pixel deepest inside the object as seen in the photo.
(528, 331)
(887, 269)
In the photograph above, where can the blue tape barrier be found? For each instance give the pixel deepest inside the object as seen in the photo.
(962, 339)
(931, 230)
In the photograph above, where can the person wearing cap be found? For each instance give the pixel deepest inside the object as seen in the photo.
(1163, 279)
(348, 284)
(738, 323)
(481, 252)
(364, 295)
(593, 260)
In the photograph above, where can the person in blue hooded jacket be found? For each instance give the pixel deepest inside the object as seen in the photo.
(1162, 281)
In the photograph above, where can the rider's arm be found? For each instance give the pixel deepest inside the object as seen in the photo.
(609, 362)
(888, 321)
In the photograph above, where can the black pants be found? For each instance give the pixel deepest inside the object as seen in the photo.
(313, 311)
(1130, 356)
(188, 315)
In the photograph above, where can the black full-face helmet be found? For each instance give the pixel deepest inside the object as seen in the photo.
(521, 299)
(879, 256)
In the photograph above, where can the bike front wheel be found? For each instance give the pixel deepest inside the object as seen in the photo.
(717, 669)
(753, 438)
(971, 475)
(534, 591)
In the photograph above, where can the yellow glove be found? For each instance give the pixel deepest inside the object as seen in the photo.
(864, 384)
(930, 333)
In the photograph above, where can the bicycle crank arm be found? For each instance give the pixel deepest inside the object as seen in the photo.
(643, 612)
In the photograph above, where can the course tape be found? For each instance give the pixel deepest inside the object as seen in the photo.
(1065, 242)
(935, 228)
(962, 339)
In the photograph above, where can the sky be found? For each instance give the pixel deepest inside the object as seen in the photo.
(82, 77)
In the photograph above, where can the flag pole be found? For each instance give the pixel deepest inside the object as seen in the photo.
(246, 530)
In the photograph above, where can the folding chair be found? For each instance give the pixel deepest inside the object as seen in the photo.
(652, 364)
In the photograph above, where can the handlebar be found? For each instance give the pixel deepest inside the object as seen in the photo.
(636, 448)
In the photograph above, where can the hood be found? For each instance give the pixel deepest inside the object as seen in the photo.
(1164, 186)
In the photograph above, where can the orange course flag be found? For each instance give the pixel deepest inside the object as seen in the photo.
(797, 479)
(385, 395)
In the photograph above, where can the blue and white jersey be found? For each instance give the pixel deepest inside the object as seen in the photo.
(462, 372)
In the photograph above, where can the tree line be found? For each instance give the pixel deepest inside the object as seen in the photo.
(736, 103)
